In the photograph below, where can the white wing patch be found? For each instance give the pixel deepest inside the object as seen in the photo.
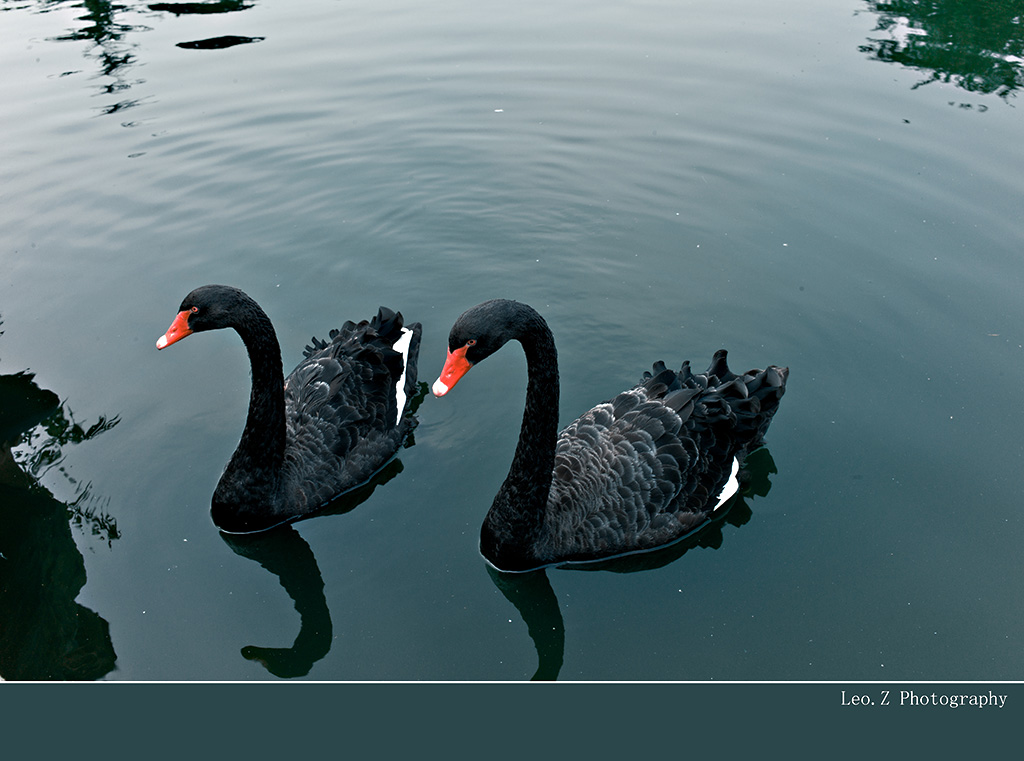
(731, 486)
(402, 347)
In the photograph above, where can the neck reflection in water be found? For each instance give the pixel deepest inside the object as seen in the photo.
(284, 553)
(287, 555)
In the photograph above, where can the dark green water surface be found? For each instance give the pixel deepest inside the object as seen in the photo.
(837, 187)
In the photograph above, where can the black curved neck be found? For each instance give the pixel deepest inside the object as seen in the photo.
(516, 517)
(260, 451)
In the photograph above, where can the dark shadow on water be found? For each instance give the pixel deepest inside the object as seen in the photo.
(199, 9)
(976, 46)
(44, 633)
(532, 595)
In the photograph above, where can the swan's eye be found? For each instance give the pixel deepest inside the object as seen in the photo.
(195, 309)
(471, 342)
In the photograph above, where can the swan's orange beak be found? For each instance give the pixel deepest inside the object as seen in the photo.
(178, 330)
(454, 368)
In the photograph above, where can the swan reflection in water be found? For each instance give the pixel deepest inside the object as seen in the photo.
(44, 633)
(286, 555)
(532, 595)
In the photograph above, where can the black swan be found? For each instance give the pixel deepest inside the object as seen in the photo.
(339, 417)
(633, 474)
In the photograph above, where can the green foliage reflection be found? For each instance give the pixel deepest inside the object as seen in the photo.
(977, 45)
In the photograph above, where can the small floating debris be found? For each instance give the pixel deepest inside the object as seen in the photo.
(217, 43)
(224, 6)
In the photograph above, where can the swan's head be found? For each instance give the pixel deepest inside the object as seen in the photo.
(206, 308)
(481, 331)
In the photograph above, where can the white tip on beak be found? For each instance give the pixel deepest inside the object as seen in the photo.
(161, 342)
(439, 388)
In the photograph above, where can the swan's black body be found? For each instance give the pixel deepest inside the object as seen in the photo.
(635, 473)
(322, 431)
